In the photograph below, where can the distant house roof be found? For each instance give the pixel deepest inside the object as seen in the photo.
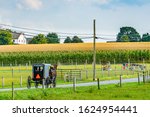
(16, 35)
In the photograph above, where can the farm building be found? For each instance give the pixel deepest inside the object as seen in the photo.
(19, 38)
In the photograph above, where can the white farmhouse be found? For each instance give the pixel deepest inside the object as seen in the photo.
(19, 38)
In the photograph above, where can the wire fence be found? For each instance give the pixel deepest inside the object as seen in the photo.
(16, 76)
(82, 73)
(14, 94)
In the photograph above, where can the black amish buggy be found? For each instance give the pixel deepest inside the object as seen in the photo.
(44, 74)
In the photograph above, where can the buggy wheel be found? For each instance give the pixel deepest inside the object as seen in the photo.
(36, 84)
(47, 82)
(29, 82)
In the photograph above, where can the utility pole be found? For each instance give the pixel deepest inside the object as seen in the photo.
(94, 50)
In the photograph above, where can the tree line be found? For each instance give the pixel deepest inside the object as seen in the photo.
(129, 34)
(6, 38)
(53, 38)
(126, 34)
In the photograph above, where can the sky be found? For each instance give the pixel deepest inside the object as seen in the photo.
(76, 16)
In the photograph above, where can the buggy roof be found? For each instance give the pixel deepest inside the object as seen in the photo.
(43, 64)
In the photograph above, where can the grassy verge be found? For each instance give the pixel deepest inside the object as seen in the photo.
(129, 91)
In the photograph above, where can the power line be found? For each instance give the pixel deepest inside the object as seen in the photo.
(37, 31)
(106, 38)
(45, 31)
(106, 35)
(62, 35)
(59, 33)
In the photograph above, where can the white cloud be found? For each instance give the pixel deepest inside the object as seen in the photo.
(30, 4)
(34, 4)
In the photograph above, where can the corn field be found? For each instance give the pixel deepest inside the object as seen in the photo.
(75, 47)
(71, 53)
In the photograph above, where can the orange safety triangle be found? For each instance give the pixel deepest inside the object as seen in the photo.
(37, 76)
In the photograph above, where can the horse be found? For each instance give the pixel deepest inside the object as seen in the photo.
(52, 75)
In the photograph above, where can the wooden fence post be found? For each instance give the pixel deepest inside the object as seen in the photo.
(85, 65)
(98, 83)
(20, 81)
(147, 74)
(61, 74)
(74, 84)
(120, 80)
(2, 81)
(127, 68)
(12, 90)
(12, 70)
(86, 74)
(143, 61)
(121, 70)
(80, 74)
(143, 77)
(138, 78)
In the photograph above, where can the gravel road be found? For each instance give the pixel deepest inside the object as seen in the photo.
(82, 84)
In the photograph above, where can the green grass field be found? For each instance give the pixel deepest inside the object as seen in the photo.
(6, 73)
(86, 74)
(129, 91)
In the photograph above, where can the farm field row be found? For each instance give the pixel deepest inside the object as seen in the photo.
(75, 53)
(72, 57)
(129, 91)
(76, 47)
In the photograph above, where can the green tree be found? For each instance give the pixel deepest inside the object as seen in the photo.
(125, 38)
(52, 38)
(5, 37)
(39, 39)
(146, 37)
(68, 40)
(132, 34)
(76, 39)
